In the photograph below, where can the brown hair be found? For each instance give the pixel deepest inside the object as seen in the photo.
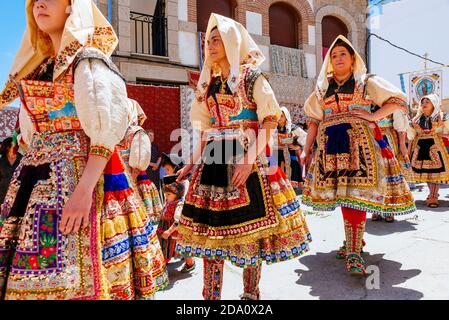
(341, 43)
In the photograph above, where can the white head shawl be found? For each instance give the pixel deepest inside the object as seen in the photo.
(289, 119)
(85, 26)
(436, 101)
(240, 49)
(137, 115)
(327, 69)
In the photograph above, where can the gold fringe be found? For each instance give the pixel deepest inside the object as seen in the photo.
(284, 226)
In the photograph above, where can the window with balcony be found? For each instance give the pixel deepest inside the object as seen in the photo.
(149, 27)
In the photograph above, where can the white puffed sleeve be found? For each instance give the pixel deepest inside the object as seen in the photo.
(401, 123)
(313, 109)
(140, 151)
(381, 91)
(199, 114)
(302, 136)
(102, 105)
(400, 120)
(267, 105)
(26, 125)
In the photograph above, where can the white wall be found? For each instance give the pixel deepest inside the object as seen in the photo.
(188, 48)
(182, 10)
(254, 23)
(143, 6)
(311, 65)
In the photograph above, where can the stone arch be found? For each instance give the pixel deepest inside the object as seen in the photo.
(304, 11)
(345, 17)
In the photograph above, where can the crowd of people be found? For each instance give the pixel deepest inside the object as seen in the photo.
(87, 214)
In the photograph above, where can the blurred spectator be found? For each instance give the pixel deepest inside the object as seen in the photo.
(9, 160)
(153, 169)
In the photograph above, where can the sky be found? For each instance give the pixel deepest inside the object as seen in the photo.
(12, 26)
(417, 25)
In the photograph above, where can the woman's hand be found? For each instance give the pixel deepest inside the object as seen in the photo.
(76, 212)
(305, 157)
(362, 114)
(166, 235)
(241, 174)
(77, 209)
(404, 151)
(182, 174)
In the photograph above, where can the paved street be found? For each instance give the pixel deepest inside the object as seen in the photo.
(412, 255)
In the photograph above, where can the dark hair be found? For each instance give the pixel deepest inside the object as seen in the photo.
(172, 160)
(341, 43)
(214, 28)
(5, 146)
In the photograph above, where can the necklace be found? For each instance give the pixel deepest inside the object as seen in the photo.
(342, 82)
(222, 85)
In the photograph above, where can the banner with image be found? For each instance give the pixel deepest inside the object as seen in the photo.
(423, 83)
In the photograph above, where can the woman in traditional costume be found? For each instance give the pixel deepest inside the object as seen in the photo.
(72, 226)
(353, 167)
(233, 209)
(291, 139)
(136, 151)
(430, 148)
(397, 133)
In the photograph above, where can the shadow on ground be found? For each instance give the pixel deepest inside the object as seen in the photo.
(176, 275)
(443, 208)
(381, 228)
(328, 279)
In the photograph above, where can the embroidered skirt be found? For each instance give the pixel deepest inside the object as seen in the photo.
(354, 167)
(430, 159)
(132, 256)
(150, 197)
(390, 136)
(37, 261)
(259, 221)
(110, 259)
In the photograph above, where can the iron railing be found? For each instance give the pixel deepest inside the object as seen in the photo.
(149, 34)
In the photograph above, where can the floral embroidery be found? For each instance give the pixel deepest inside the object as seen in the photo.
(100, 151)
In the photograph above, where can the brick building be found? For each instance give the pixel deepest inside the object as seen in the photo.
(160, 44)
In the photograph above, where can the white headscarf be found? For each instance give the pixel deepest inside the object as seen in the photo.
(240, 49)
(289, 119)
(85, 27)
(436, 101)
(327, 69)
(137, 115)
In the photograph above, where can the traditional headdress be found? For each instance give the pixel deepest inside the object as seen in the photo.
(85, 27)
(240, 49)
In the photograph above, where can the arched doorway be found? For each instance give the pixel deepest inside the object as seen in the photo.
(284, 23)
(332, 27)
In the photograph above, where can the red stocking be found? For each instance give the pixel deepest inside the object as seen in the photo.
(354, 229)
(251, 279)
(213, 279)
